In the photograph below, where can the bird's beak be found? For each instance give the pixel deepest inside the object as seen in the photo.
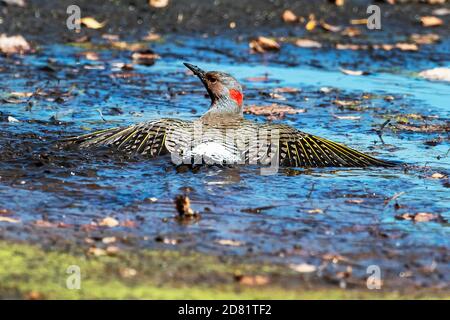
(196, 70)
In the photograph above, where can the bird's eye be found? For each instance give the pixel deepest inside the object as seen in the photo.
(212, 80)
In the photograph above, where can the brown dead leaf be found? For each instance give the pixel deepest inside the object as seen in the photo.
(315, 211)
(91, 55)
(286, 90)
(277, 96)
(17, 94)
(351, 32)
(9, 220)
(34, 295)
(303, 267)
(13, 44)
(257, 280)
(441, 11)
(437, 74)
(346, 103)
(351, 46)
(122, 45)
(358, 21)
(307, 43)
(128, 272)
(263, 44)
(49, 224)
(110, 37)
(347, 117)
(288, 16)
(109, 222)
(311, 24)
(407, 46)
(112, 250)
(356, 201)
(352, 72)
(422, 128)
(145, 57)
(229, 242)
(264, 78)
(151, 36)
(272, 110)
(438, 175)
(183, 206)
(158, 3)
(429, 38)
(421, 217)
(431, 21)
(97, 251)
(92, 23)
(128, 223)
(5, 212)
(330, 27)
(109, 240)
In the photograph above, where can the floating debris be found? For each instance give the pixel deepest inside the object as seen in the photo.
(289, 17)
(263, 44)
(92, 23)
(109, 222)
(421, 217)
(14, 44)
(303, 267)
(183, 206)
(437, 74)
(431, 21)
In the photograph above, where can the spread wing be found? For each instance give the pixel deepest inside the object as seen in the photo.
(299, 149)
(149, 139)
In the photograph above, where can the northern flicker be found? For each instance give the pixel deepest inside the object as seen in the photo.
(223, 136)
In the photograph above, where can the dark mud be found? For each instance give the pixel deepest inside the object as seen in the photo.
(338, 220)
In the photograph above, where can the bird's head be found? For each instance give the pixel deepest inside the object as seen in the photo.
(224, 90)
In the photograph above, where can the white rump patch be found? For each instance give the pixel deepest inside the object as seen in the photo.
(213, 153)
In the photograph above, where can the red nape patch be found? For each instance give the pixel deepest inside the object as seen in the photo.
(236, 96)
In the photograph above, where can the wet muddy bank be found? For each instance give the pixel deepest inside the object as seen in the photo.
(44, 22)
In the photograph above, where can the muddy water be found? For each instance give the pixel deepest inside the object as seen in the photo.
(295, 216)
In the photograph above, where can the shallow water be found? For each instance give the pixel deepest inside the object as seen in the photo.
(305, 215)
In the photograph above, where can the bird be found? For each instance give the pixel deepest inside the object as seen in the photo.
(222, 136)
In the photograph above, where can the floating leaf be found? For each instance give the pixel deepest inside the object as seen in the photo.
(8, 219)
(228, 242)
(303, 267)
(14, 44)
(438, 175)
(352, 72)
(109, 222)
(330, 27)
(312, 23)
(407, 46)
(275, 109)
(347, 117)
(358, 21)
(351, 32)
(421, 217)
(253, 280)
(307, 43)
(158, 3)
(263, 44)
(431, 21)
(439, 74)
(429, 38)
(91, 23)
(288, 16)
